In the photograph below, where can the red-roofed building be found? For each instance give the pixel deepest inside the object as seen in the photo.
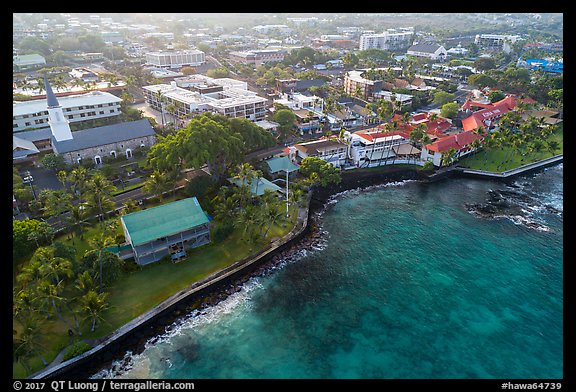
(460, 142)
(486, 118)
(438, 127)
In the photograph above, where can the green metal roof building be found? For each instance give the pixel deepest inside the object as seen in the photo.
(258, 187)
(281, 164)
(165, 230)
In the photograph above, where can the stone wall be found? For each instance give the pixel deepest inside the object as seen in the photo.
(105, 149)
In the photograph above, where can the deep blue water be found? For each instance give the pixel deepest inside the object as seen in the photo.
(407, 284)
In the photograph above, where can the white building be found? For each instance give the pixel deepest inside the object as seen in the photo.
(496, 41)
(231, 102)
(332, 151)
(296, 101)
(93, 105)
(432, 51)
(175, 59)
(388, 40)
(369, 148)
(257, 57)
(401, 99)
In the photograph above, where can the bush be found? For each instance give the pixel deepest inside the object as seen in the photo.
(76, 349)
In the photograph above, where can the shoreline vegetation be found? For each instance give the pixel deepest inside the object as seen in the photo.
(216, 291)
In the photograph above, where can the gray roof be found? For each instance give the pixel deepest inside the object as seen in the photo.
(23, 144)
(50, 97)
(35, 135)
(108, 134)
(425, 47)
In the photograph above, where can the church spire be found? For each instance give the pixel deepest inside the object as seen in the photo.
(59, 124)
(50, 97)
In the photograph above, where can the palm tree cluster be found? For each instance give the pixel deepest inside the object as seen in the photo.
(530, 138)
(52, 284)
(254, 215)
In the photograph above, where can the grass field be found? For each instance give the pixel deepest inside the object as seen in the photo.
(494, 160)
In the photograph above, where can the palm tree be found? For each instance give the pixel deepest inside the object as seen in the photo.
(129, 207)
(53, 268)
(552, 146)
(50, 293)
(29, 343)
(61, 175)
(78, 178)
(40, 87)
(100, 190)
(448, 157)
(78, 218)
(156, 184)
(85, 282)
(245, 174)
(272, 216)
(100, 243)
(59, 82)
(161, 100)
(93, 304)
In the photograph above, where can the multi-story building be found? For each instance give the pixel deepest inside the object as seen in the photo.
(356, 85)
(496, 41)
(332, 151)
(257, 57)
(231, 102)
(175, 59)
(460, 142)
(369, 147)
(391, 39)
(93, 105)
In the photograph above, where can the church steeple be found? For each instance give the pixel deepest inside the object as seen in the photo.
(50, 97)
(59, 124)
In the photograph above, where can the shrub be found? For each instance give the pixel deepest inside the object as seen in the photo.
(76, 349)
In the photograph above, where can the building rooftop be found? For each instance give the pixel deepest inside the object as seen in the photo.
(108, 134)
(71, 101)
(278, 164)
(258, 187)
(164, 220)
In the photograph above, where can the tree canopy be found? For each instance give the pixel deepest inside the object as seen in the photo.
(319, 171)
(209, 139)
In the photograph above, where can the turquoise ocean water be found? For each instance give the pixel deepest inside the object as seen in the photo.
(406, 284)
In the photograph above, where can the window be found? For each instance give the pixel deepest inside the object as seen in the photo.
(80, 107)
(101, 111)
(28, 124)
(70, 117)
(15, 126)
(68, 109)
(82, 115)
(111, 110)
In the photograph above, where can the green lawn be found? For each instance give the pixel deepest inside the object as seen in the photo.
(139, 291)
(494, 159)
